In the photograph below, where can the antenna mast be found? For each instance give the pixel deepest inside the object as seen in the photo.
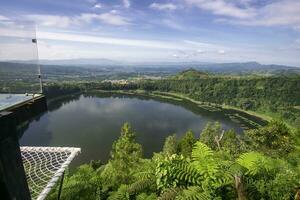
(34, 40)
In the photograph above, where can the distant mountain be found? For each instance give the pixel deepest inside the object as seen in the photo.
(248, 68)
(81, 62)
(253, 68)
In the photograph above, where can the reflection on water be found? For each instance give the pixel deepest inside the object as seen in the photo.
(93, 122)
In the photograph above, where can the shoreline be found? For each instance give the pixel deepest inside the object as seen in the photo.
(180, 97)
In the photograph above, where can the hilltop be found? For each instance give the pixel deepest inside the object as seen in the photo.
(191, 74)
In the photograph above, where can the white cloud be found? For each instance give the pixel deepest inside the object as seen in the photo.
(204, 46)
(278, 13)
(18, 51)
(111, 18)
(285, 12)
(51, 20)
(3, 17)
(172, 24)
(98, 5)
(108, 40)
(223, 8)
(221, 52)
(165, 6)
(200, 51)
(126, 3)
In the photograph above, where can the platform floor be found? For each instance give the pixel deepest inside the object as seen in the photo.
(10, 100)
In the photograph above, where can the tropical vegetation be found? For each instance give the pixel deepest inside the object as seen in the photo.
(219, 164)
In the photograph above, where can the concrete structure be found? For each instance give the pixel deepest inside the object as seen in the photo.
(13, 184)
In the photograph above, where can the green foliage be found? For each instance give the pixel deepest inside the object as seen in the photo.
(270, 95)
(125, 154)
(169, 194)
(121, 194)
(170, 146)
(95, 164)
(209, 133)
(174, 171)
(256, 163)
(273, 139)
(85, 182)
(145, 196)
(190, 74)
(204, 173)
(213, 169)
(232, 143)
(194, 193)
(186, 144)
(269, 178)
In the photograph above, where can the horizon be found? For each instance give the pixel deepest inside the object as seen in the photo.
(120, 63)
(176, 31)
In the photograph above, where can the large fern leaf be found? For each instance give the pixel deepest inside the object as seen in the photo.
(169, 194)
(256, 163)
(140, 186)
(201, 152)
(194, 193)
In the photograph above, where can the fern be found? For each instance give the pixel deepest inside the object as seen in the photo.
(193, 193)
(256, 163)
(201, 152)
(169, 194)
(176, 171)
(203, 159)
(214, 170)
(186, 173)
(140, 186)
(121, 194)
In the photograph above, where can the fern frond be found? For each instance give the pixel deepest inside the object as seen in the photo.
(256, 163)
(186, 173)
(169, 194)
(121, 194)
(145, 175)
(140, 186)
(193, 193)
(201, 152)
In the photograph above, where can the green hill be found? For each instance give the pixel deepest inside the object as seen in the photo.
(191, 74)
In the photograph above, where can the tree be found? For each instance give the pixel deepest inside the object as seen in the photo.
(273, 139)
(210, 133)
(231, 143)
(170, 146)
(186, 143)
(125, 153)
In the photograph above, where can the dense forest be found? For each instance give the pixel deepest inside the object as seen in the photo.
(276, 95)
(260, 164)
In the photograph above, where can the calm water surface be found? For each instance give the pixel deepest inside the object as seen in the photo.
(93, 122)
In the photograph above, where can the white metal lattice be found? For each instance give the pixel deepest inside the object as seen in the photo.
(44, 166)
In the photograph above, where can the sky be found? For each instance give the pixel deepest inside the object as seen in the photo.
(266, 31)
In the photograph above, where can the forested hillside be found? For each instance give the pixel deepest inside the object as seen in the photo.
(276, 96)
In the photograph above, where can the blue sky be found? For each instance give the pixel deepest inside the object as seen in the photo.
(267, 31)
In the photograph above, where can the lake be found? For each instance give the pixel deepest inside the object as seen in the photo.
(93, 121)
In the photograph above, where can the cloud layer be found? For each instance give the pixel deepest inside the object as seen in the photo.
(262, 30)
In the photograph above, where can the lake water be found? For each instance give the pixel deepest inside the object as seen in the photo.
(92, 122)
